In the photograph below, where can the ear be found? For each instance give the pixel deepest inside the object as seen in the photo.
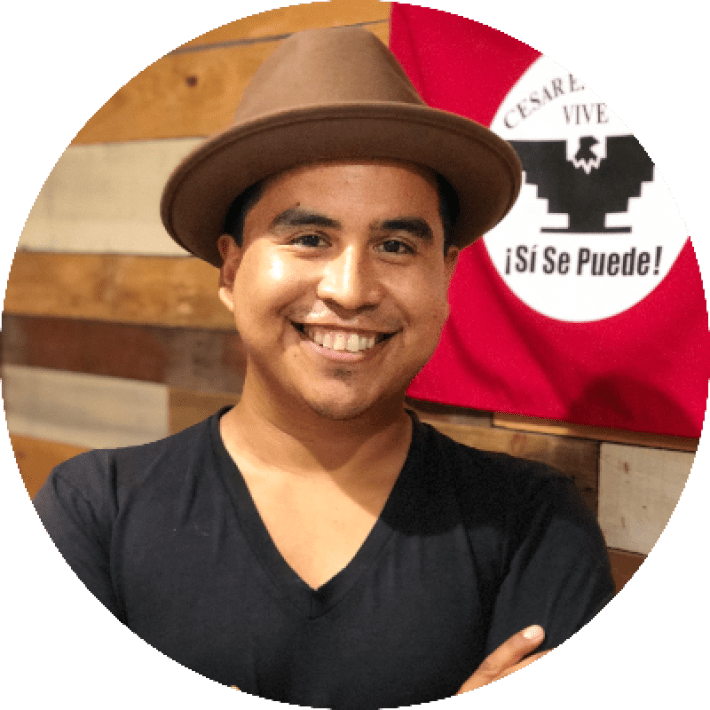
(231, 257)
(450, 259)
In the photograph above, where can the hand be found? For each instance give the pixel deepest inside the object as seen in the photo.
(509, 657)
(234, 687)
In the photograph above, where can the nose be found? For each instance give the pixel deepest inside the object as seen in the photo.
(350, 280)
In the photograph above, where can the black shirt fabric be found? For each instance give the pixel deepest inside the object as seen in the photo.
(470, 548)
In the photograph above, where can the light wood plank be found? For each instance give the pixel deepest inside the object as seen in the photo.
(105, 198)
(37, 457)
(575, 459)
(129, 289)
(583, 431)
(188, 407)
(623, 566)
(286, 20)
(638, 490)
(187, 94)
(207, 360)
(84, 410)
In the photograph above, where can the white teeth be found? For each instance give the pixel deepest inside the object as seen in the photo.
(339, 340)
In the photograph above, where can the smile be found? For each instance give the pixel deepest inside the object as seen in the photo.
(341, 340)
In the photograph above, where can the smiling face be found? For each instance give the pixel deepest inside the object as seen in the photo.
(339, 288)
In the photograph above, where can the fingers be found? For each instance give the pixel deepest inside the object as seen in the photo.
(234, 687)
(507, 658)
(511, 652)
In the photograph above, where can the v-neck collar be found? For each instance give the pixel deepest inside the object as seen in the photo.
(286, 583)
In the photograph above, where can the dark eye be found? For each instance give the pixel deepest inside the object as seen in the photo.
(395, 246)
(308, 240)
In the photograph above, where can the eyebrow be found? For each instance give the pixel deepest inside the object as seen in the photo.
(297, 217)
(415, 226)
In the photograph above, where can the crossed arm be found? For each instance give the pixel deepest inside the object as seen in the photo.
(511, 656)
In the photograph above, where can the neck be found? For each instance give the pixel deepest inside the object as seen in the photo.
(296, 439)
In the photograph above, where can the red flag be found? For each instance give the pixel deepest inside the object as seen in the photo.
(586, 304)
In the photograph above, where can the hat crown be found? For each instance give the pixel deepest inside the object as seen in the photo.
(326, 67)
(336, 94)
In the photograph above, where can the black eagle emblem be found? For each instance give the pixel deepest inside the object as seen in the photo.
(586, 188)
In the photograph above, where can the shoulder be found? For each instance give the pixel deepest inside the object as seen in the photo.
(498, 485)
(469, 466)
(102, 474)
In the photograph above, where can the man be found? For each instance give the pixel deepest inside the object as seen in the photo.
(316, 544)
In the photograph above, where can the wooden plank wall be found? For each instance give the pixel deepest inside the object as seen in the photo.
(112, 336)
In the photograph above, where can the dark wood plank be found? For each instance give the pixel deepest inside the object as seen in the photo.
(623, 566)
(583, 431)
(198, 359)
(447, 414)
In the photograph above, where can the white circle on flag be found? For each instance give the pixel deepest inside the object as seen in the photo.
(595, 229)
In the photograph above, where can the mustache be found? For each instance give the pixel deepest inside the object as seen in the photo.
(319, 313)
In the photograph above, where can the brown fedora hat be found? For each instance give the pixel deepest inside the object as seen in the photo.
(331, 94)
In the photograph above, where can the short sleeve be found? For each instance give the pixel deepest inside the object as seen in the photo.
(75, 508)
(556, 572)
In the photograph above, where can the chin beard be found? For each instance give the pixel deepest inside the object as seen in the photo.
(339, 412)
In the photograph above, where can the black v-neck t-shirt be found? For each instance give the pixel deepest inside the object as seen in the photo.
(470, 548)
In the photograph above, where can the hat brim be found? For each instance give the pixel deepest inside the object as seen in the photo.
(482, 168)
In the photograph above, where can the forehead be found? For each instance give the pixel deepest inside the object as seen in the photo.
(385, 186)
